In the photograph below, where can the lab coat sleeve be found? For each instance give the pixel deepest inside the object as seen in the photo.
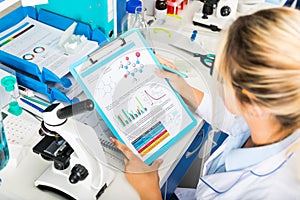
(221, 119)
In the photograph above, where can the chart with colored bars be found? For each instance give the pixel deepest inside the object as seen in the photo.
(150, 139)
(149, 117)
(127, 116)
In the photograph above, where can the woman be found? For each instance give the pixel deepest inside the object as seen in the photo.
(258, 67)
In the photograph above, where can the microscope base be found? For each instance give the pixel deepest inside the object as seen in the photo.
(58, 182)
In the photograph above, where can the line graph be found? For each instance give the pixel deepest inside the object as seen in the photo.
(155, 93)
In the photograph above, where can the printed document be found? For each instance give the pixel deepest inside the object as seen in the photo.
(37, 42)
(140, 108)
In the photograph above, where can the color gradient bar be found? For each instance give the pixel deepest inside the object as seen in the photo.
(14, 31)
(147, 136)
(15, 36)
(152, 140)
(155, 143)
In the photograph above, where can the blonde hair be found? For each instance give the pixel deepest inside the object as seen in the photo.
(261, 57)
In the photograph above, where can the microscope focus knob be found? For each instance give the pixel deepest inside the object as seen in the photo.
(225, 11)
(78, 173)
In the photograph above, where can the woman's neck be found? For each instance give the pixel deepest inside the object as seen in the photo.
(264, 130)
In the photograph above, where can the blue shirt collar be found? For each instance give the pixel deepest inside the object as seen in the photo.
(240, 158)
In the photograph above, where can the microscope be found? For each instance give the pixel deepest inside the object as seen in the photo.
(216, 14)
(79, 169)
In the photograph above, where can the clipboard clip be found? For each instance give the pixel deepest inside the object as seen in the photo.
(106, 50)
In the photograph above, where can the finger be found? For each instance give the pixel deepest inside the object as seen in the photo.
(165, 74)
(156, 164)
(160, 59)
(166, 62)
(126, 161)
(126, 151)
(121, 146)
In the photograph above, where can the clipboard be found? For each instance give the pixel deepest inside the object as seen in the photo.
(141, 109)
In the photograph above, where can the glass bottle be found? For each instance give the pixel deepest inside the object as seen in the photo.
(130, 16)
(4, 153)
(139, 21)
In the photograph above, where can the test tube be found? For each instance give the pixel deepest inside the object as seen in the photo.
(9, 83)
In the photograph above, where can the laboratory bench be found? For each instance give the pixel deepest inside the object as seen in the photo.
(18, 182)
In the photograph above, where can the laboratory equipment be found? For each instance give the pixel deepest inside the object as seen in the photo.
(133, 7)
(70, 42)
(9, 83)
(216, 14)
(135, 17)
(140, 21)
(160, 11)
(194, 35)
(19, 132)
(5, 97)
(4, 152)
(174, 6)
(150, 7)
(79, 167)
(206, 59)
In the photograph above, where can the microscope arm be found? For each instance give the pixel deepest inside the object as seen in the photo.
(82, 138)
(79, 165)
(85, 144)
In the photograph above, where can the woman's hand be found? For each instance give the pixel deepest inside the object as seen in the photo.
(192, 96)
(143, 178)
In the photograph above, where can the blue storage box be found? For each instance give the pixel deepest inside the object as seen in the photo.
(28, 73)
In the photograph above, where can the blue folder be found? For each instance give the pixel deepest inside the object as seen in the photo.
(105, 15)
(29, 74)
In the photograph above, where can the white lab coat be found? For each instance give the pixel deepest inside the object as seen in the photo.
(274, 178)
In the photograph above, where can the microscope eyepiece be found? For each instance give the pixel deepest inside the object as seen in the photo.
(208, 7)
(74, 109)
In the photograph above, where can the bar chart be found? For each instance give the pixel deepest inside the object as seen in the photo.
(127, 116)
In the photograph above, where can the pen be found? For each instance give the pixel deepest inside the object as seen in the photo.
(174, 71)
(32, 105)
(30, 93)
(36, 101)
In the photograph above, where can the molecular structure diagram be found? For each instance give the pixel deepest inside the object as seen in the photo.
(106, 86)
(132, 67)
